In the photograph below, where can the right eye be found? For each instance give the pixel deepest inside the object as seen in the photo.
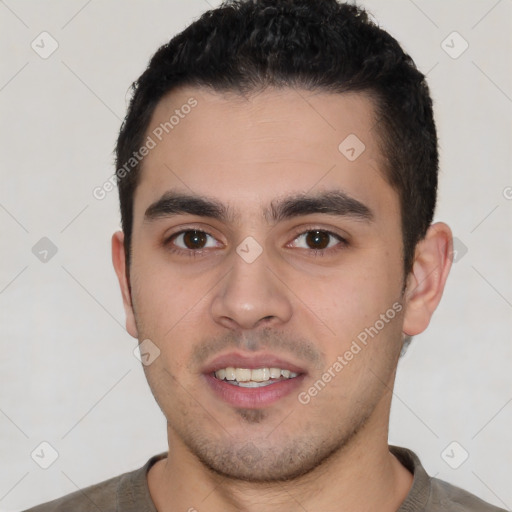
(191, 240)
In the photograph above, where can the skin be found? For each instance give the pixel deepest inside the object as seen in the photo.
(306, 307)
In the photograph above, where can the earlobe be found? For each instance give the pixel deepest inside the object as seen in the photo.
(427, 279)
(119, 262)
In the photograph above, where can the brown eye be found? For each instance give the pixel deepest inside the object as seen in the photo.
(194, 239)
(318, 239)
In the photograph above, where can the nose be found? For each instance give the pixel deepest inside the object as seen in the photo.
(251, 295)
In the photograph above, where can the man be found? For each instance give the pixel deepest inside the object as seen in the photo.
(277, 172)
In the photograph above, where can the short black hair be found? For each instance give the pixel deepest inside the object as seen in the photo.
(246, 46)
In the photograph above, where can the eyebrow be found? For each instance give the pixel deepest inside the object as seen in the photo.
(333, 202)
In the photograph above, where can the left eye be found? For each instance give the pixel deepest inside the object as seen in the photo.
(317, 240)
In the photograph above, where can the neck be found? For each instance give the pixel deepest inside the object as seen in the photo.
(362, 476)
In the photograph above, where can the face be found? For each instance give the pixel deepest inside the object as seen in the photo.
(263, 251)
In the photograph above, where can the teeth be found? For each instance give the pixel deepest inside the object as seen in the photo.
(250, 377)
(252, 384)
(260, 374)
(243, 374)
(275, 373)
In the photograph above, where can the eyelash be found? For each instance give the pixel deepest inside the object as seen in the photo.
(343, 243)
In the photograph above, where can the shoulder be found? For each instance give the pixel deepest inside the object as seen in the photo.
(429, 494)
(101, 496)
(445, 496)
(128, 492)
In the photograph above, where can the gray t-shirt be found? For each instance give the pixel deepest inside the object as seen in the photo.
(129, 492)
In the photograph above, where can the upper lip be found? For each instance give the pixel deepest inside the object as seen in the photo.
(251, 361)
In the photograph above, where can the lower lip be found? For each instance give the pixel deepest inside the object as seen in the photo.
(253, 398)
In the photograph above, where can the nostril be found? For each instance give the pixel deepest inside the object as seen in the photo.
(266, 320)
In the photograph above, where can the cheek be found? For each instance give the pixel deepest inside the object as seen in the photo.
(364, 317)
(354, 296)
(360, 306)
(172, 310)
(160, 291)
(164, 309)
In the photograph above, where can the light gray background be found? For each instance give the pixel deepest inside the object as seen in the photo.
(68, 373)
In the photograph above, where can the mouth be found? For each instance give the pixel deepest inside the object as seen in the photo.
(252, 381)
(253, 378)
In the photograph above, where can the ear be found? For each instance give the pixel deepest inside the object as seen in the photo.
(426, 281)
(119, 261)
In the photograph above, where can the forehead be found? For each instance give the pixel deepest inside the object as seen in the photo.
(270, 144)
